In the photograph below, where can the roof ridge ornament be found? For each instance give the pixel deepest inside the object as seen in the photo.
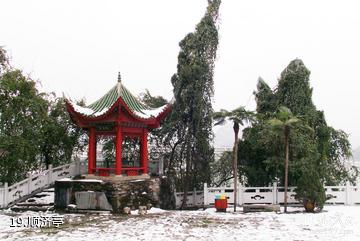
(119, 84)
(119, 77)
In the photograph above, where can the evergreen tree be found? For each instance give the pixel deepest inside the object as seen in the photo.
(4, 61)
(22, 109)
(60, 137)
(152, 101)
(265, 98)
(189, 129)
(35, 130)
(222, 169)
(323, 149)
(310, 189)
(294, 89)
(261, 155)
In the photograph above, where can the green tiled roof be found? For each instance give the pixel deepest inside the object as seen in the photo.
(103, 105)
(113, 95)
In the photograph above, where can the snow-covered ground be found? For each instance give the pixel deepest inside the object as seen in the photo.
(334, 223)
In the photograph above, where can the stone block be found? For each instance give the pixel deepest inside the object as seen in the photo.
(109, 193)
(62, 194)
(92, 200)
(142, 210)
(102, 202)
(127, 210)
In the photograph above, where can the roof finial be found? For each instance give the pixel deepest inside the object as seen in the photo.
(119, 77)
(119, 84)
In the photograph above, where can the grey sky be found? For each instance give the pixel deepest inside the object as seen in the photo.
(77, 47)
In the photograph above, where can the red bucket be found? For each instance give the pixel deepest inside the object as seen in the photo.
(221, 205)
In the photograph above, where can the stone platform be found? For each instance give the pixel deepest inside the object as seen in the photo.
(115, 178)
(112, 193)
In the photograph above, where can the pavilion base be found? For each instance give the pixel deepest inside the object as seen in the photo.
(121, 192)
(114, 178)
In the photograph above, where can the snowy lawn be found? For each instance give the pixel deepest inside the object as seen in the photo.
(334, 223)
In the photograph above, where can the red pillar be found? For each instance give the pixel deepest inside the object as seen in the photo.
(95, 151)
(118, 162)
(92, 151)
(144, 151)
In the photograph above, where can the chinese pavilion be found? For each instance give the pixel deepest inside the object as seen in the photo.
(118, 113)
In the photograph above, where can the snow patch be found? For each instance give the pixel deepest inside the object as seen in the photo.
(87, 111)
(150, 113)
(333, 224)
(65, 179)
(88, 180)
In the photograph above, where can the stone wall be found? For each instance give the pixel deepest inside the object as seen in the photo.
(120, 192)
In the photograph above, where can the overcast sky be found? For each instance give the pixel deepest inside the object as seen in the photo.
(77, 47)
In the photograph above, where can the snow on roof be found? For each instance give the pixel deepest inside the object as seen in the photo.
(104, 104)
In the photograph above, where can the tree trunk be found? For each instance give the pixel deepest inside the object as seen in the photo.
(236, 132)
(47, 159)
(187, 175)
(287, 133)
(171, 159)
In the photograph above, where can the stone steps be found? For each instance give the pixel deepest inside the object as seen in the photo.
(32, 208)
(42, 201)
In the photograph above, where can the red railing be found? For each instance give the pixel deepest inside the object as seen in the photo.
(129, 171)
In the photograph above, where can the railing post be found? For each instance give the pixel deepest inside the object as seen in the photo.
(118, 151)
(347, 190)
(50, 170)
(194, 197)
(77, 167)
(205, 194)
(161, 166)
(82, 164)
(240, 194)
(29, 183)
(275, 193)
(6, 190)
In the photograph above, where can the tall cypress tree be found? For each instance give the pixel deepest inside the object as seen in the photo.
(332, 146)
(324, 148)
(265, 98)
(189, 127)
(294, 89)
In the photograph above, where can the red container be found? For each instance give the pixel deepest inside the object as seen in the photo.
(221, 205)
